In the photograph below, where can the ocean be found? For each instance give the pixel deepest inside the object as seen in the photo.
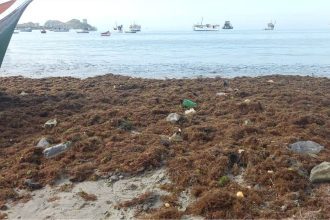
(227, 53)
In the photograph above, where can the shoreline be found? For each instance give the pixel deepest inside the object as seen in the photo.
(117, 125)
(172, 78)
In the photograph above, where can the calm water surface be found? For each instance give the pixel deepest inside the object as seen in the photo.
(169, 54)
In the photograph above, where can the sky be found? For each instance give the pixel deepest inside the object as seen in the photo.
(182, 14)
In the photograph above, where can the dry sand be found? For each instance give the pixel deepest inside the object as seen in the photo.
(54, 203)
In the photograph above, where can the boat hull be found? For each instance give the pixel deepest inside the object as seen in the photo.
(7, 27)
(206, 29)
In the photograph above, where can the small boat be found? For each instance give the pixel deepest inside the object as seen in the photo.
(118, 28)
(270, 26)
(106, 34)
(130, 32)
(28, 30)
(83, 32)
(206, 27)
(135, 27)
(43, 31)
(10, 13)
(227, 26)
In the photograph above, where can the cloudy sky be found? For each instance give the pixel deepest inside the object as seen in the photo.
(182, 14)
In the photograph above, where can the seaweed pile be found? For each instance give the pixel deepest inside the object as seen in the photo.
(236, 142)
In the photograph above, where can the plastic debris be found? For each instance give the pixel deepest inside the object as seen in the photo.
(23, 94)
(43, 143)
(51, 123)
(240, 194)
(221, 94)
(190, 112)
(241, 151)
(248, 122)
(189, 104)
(173, 117)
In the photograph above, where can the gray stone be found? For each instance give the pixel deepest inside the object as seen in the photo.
(320, 173)
(32, 184)
(114, 178)
(306, 147)
(56, 150)
(173, 118)
(43, 143)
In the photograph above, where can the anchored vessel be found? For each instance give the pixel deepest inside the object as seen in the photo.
(118, 28)
(135, 28)
(270, 26)
(106, 34)
(227, 26)
(206, 27)
(10, 13)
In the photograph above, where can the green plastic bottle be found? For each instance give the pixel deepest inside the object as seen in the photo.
(189, 104)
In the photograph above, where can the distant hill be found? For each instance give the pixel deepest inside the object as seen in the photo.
(59, 25)
(76, 24)
(54, 24)
(34, 26)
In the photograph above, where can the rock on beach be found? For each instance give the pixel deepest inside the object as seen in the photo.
(306, 147)
(320, 173)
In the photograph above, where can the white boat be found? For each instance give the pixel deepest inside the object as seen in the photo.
(135, 27)
(206, 27)
(83, 32)
(10, 13)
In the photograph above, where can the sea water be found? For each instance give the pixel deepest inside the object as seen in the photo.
(227, 53)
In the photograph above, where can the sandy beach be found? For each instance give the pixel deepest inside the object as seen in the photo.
(128, 156)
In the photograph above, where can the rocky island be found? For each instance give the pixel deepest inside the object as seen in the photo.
(59, 25)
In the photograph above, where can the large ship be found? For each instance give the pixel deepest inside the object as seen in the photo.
(270, 26)
(227, 26)
(10, 13)
(206, 27)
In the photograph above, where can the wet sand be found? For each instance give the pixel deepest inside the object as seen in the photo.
(117, 126)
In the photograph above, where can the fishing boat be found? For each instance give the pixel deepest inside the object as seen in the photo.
(270, 26)
(118, 28)
(10, 13)
(135, 27)
(43, 31)
(227, 26)
(106, 34)
(206, 27)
